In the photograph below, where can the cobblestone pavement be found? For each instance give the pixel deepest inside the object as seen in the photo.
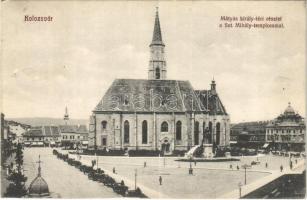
(210, 179)
(63, 180)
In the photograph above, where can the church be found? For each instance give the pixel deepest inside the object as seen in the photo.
(158, 113)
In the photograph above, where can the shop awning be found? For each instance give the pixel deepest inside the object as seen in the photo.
(84, 142)
(233, 142)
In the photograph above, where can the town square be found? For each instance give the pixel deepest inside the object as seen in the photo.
(136, 100)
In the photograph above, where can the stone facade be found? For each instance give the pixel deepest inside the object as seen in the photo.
(158, 114)
(287, 131)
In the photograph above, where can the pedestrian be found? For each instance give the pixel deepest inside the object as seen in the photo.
(238, 167)
(295, 161)
(93, 163)
(113, 170)
(266, 165)
(144, 164)
(195, 162)
(230, 166)
(291, 165)
(281, 168)
(160, 180)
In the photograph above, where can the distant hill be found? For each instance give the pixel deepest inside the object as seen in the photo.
(44, 121)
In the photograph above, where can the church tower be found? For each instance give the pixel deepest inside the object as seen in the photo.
(157, 63)
(66, 116)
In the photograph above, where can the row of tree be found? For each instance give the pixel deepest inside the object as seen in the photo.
(17, 186)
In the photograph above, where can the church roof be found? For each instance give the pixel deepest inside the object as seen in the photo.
(139, 95)
(211, 101)
(157, 36)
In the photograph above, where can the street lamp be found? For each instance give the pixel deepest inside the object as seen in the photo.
(135, 175)
(190, 169)
(245, 166)
(240, 189)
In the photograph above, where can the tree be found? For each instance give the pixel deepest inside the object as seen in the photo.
(17, 187)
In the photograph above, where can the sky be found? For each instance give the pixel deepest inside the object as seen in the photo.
(71, 61)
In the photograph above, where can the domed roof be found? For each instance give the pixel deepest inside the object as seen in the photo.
(289, 110)
(38, 187)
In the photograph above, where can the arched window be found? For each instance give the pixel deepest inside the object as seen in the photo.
(210, 133)
(144, 132)
(126, 131)
(178, 130)
(164, 127)
(218, 133)
(196, 133)
(157, 73)
(103, 125)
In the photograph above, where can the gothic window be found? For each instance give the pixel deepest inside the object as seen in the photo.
(196, 133)
(157, 73)
(103, 125)
(144, 132)
(164, 127)
(178, 130)
(218, 133)
(126, 131)
(210, 132)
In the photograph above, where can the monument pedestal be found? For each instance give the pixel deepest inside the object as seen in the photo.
(208, 151)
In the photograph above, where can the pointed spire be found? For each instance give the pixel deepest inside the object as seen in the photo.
(39, 166)
(157, 36)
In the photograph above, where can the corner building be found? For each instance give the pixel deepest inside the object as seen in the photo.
(156, 113)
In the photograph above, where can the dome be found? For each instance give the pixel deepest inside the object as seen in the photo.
(38, 188)
(289, 110)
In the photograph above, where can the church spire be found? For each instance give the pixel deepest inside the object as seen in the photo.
(157, 64)
(157, 36)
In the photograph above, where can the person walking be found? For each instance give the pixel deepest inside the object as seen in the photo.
(145, 164)
(281, 168)
(266, 165)
(160, 180)
(291, 165)
(238, 167)
(114, 170)
(230, 166)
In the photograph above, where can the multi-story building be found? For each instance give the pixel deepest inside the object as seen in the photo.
(64, 135)
(287, 131)
(156, 113)
(248, 134)
(42, 136)
(73, 135)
